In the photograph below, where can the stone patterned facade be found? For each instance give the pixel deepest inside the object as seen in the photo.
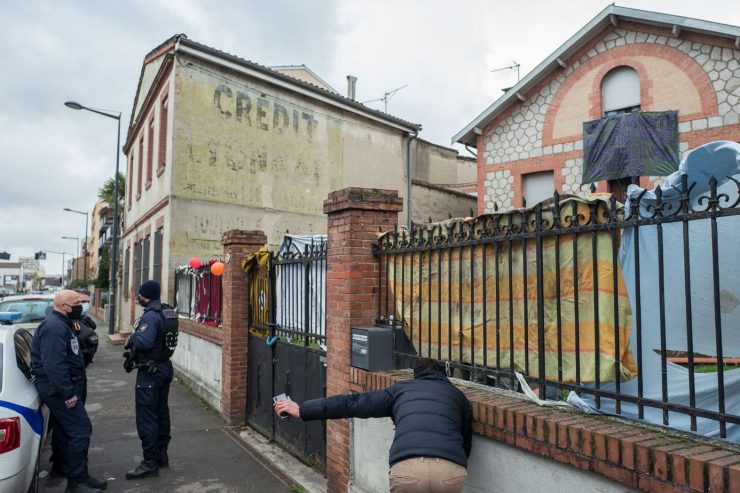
(522, 140)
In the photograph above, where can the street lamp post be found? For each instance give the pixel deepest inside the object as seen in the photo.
(77, 239)
(64, 267)
(86, 237)
(114, 251)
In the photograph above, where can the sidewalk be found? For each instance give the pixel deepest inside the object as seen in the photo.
(205, 454)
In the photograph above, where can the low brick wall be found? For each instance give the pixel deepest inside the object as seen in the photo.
(207, 332)
(636, 455)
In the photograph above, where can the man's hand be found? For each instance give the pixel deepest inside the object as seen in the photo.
(288, 407)
(71, 402)
(128, 362)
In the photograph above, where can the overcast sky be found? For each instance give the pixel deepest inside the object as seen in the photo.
(53, 51)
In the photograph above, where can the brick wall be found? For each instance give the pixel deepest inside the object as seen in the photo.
(355, 216)
(649, 459)
(206, 332)
(237, 245)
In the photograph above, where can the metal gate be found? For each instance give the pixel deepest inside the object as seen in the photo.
(287, 344)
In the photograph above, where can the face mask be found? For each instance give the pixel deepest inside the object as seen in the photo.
(76, 312)
(141, 300)
(85, 307)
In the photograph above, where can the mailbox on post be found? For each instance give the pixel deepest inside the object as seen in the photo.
(372, 348)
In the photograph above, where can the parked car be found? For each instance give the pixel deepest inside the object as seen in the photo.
(32, 307)
(23, 417)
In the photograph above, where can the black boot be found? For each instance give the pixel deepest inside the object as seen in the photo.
(80, 487)
(163, 460)
(147, 469)
(96, 483)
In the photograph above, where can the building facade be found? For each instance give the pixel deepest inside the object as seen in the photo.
(530, 141)
(219, 143)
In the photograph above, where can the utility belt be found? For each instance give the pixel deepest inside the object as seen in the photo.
(150, 366)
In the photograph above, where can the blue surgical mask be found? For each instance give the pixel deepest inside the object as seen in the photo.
(85, 308)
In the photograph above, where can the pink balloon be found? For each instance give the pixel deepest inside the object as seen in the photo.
(195, 263)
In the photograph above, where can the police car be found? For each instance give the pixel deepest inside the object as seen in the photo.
(23, 417)
(32, 307)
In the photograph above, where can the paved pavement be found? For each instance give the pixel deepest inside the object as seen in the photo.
(205, 454)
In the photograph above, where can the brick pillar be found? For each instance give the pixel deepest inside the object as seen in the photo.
(355, 216)
(237, 245)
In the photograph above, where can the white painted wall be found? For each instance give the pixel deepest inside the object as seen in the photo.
(493, 467)
(198, 363)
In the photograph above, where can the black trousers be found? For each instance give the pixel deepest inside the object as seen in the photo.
(58, 439)
(72, 429)
(152, 410)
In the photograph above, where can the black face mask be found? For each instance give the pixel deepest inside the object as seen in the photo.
(141, 301)
(76, 313)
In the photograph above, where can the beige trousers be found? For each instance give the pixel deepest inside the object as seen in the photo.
(427, 475)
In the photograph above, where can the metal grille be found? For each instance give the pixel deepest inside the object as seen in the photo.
(542, 291)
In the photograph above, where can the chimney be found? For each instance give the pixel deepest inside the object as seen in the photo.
(351, 82)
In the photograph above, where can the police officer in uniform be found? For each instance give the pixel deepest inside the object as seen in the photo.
(83, 328)
(148, 352)
(59, 368)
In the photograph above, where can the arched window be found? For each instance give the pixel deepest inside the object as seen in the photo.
(620, 91)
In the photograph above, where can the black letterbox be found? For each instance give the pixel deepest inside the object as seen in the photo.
(372, 348)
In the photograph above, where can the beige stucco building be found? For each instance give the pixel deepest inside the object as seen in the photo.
(219, 143)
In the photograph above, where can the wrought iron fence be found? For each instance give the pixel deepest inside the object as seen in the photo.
(583, 295)
(288, 299)
(198, 295)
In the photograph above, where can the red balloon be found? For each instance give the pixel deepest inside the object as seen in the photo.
(195, 263)
(217, 269)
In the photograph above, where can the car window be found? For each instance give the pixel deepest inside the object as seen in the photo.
(30, 310)
(22, 341)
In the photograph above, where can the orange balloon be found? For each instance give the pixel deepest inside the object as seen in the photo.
(217, 269)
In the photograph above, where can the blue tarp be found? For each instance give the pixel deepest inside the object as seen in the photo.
(722, 160)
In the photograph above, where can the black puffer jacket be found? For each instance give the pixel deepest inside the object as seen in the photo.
(432, 417)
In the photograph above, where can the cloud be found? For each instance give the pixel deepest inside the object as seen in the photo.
(52, 157)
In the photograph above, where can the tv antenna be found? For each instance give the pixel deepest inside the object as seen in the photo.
(515, 66)
(386, 97)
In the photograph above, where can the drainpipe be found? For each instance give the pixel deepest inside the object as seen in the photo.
(409, 158)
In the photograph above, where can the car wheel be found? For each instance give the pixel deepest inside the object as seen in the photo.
(34, 487)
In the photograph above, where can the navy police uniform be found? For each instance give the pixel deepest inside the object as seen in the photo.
(59, 367)
(152, 384)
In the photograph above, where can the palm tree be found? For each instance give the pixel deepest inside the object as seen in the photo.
(107, 192)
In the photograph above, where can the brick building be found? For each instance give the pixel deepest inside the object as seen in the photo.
(530, 141)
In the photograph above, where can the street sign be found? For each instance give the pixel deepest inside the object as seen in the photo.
(40, 256)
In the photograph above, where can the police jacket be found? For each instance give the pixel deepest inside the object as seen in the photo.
(56, 354)
(84, 329)
(148, 338)
(432, 417)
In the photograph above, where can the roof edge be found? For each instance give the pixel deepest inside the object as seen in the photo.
(468, 135)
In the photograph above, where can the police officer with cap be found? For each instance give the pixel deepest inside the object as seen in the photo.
(59, 368)
(148, 352)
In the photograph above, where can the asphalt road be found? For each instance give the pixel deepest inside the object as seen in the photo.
(204, 455)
